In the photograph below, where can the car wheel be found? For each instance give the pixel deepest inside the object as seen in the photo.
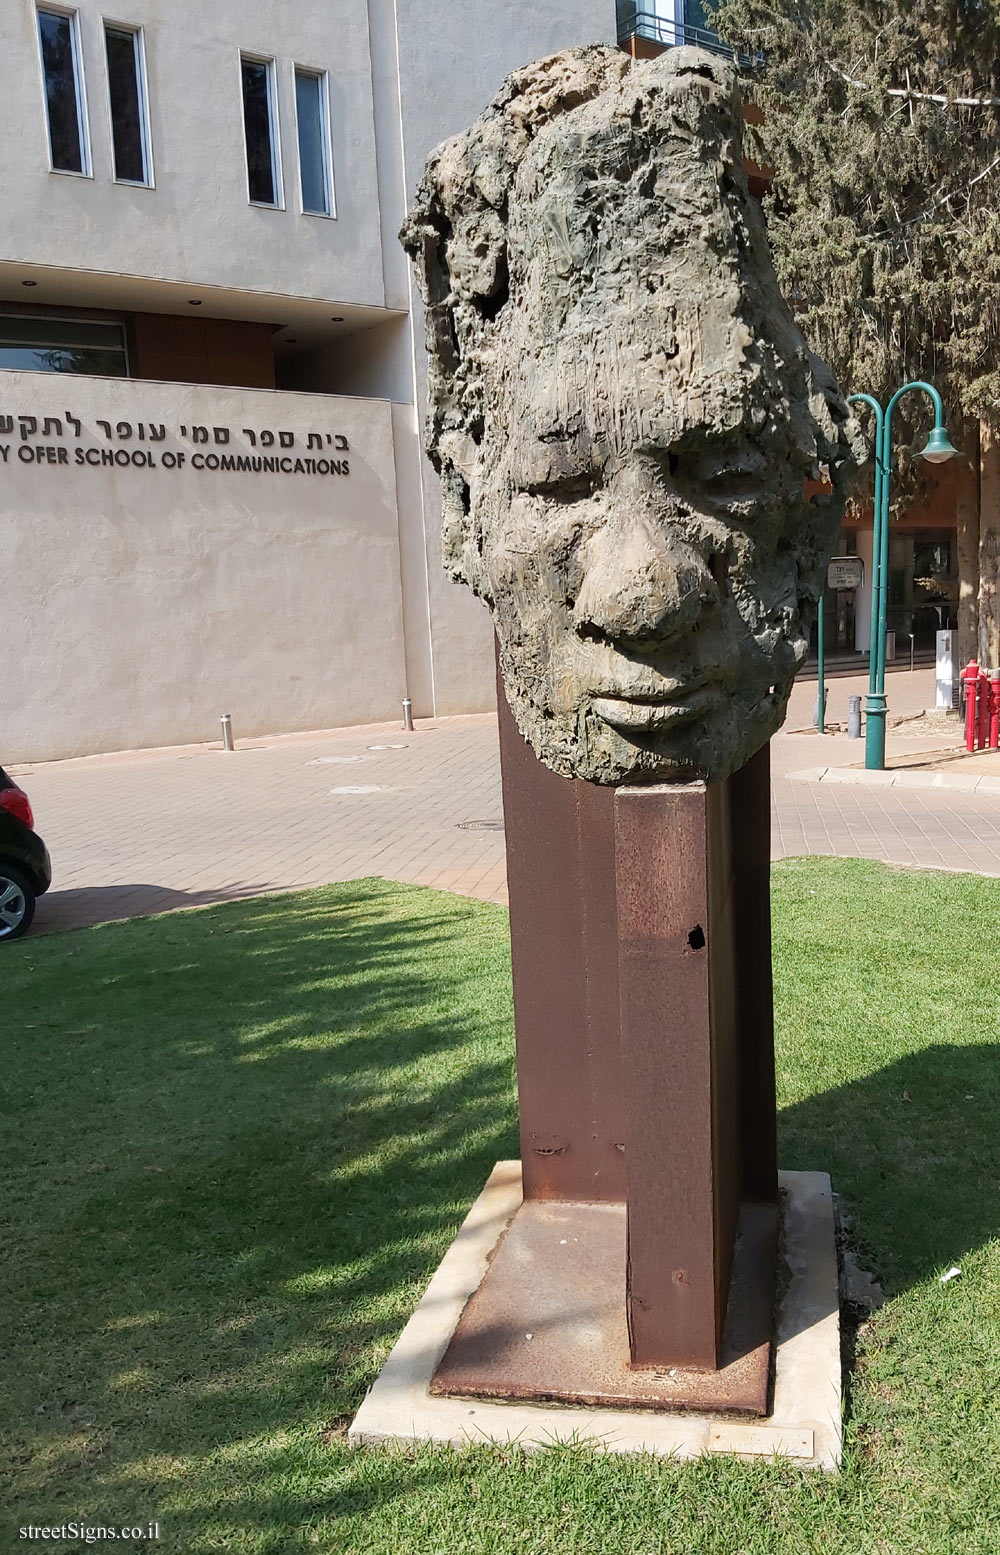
(17, 902)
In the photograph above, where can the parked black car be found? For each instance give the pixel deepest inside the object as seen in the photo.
(25, 869)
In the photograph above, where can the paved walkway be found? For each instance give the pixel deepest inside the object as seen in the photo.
(931, 828)
(146, 831)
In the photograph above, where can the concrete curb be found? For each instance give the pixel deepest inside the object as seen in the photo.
(805, 1421)
(958, 782)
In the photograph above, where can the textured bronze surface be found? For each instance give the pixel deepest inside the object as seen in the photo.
(627, 424)
(548, 1321)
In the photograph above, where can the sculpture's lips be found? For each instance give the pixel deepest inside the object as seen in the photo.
(636, 711)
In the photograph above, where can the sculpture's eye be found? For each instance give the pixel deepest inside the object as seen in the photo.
(734, 468)
(718, 566)
(565, 489)
(723, 474)
(734, 483)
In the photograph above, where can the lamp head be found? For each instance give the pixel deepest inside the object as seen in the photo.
(938, 449)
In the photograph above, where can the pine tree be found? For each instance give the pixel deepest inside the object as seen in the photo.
(882, 124)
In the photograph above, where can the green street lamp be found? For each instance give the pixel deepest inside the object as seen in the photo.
(937, 450)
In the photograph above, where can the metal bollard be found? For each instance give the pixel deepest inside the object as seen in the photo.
(408, 715)
(854, 718)
(227, 732)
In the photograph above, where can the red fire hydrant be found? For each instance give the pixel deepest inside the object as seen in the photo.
(970, 684)
(983, 711)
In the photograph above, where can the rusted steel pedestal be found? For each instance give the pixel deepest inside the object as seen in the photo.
(641, 1267)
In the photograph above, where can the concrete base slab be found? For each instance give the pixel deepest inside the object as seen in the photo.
(805, 1419)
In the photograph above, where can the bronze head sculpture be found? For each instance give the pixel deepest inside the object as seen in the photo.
(624, 415)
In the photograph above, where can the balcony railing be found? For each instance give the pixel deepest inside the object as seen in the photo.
(666, 32)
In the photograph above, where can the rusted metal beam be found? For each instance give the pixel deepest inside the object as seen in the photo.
(564, 945)
(750, 820)
(674, 889)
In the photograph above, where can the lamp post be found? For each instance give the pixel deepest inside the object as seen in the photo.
(937, 450)
(821, 664)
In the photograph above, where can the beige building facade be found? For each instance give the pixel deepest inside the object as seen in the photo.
(212, 491)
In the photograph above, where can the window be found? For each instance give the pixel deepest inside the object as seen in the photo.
(697, 24)
(260, 127)
(58, 345)
(669, 22)
(59, 38)
(313, 117)
(127, 96)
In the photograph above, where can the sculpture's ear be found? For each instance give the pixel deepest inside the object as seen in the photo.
(427, 236)
(458, 244)
(840, 443)
(455, 459)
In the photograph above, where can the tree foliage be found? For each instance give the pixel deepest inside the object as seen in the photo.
(882, 124)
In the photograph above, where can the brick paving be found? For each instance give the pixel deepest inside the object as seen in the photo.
(147, 831)
(929, 828)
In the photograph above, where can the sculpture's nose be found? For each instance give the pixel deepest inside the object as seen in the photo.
(642, 583)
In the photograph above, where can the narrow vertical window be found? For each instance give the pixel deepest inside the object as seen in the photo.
(312, 115)
(260, 128)
(60, 45)
(127, 95)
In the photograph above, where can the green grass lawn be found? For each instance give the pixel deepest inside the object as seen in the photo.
(236, 1143)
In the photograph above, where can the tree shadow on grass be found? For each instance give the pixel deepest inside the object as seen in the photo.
(82, 906)
(234, 1173)
(242, 1141)
(915, 1150)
